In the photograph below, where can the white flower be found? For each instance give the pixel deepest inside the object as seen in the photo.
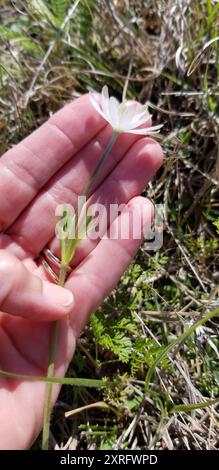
(123, 117)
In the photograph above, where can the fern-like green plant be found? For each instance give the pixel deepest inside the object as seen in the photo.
(112, 337)
(216, 223)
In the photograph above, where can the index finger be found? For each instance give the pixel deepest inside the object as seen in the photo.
(28, 166)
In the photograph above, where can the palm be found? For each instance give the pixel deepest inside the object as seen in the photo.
(58, 157)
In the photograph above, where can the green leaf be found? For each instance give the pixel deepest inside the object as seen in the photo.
(67, 381)
(216, 223)
(7, 33)
(194, 406)
(111, 339)
(41, 10)
(59, 8)
(17, 37)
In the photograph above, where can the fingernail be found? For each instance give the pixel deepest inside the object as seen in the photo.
(59, 295)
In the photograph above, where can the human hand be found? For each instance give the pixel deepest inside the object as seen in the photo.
(50, 167)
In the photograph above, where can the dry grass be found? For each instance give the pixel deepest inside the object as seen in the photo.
(152, 48)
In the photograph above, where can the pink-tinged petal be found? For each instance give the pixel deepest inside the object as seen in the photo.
(146, 130)
(97, 107)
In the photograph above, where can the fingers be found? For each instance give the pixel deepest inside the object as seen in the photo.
(29, 165)
(36, 226)
(24, 294)
(127, 180)
(98, 274)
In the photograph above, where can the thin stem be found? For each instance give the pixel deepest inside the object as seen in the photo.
(48, 393)
(96, 383)
(68, 248)
(100, 163)
(62, 276)
(50, 372)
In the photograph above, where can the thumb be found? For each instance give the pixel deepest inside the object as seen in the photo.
(24, 294)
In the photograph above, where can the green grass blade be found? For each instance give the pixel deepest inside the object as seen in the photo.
(194, 406)
(177, 342)
(58, 380)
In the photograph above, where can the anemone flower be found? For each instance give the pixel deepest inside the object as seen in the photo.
(123, 117)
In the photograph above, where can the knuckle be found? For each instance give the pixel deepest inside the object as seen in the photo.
(10, 274)
(7, 266)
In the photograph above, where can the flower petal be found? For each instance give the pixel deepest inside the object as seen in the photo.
(105, 93)
(105, 101)
(140, 113)
(141, 121)
(114, 112)
(146, 130)
(97, 107)
(126, 114)
(134, 115)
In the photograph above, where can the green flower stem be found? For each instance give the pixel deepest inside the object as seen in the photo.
(100, 163)
(50, 372)
(62, 276)
(48, 393)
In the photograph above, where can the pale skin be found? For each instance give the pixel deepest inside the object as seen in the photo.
(50, 167)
